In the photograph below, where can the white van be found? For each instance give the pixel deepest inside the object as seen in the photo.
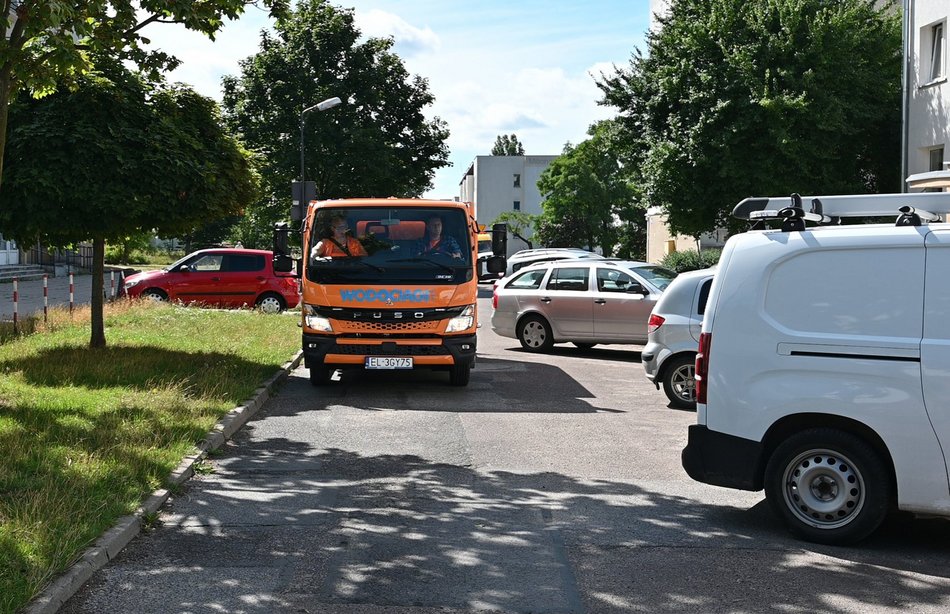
(823, 373)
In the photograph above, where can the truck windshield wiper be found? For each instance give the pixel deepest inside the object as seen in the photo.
(376, 268)
(444, 267)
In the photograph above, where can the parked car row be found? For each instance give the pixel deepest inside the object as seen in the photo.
(220, 278)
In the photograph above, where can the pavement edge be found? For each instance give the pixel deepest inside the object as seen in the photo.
(110, 543)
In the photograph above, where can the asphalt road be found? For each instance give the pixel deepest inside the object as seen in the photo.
(552, 483)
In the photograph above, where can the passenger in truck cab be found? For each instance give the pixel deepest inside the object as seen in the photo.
(436, 243)
(338, 243)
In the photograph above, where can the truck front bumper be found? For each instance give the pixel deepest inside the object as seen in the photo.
(722, 460)
(344, 352)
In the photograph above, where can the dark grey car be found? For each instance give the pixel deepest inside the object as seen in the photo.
(585, 302)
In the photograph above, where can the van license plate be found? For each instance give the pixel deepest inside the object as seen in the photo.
(385, 362)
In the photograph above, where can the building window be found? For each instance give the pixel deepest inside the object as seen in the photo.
(936, 55)
(517, 181)
(936, 159)
(517, 205)
(937, 51)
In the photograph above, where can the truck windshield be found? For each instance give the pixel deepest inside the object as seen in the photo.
(391, 245)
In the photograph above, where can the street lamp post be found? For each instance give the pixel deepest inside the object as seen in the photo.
(329, 103)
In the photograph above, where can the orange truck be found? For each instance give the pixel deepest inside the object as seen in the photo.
(388, 284)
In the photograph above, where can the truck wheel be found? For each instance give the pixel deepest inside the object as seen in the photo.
(320, 375)
(679, 381)
(460, 374)
(829, 486)
(535, 335)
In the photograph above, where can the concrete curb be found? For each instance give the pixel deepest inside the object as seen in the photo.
(108, 546)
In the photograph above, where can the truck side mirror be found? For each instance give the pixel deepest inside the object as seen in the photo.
(499, 239)
(496, 264)
(283, 262)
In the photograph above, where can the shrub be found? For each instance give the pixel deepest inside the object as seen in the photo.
(691, 260)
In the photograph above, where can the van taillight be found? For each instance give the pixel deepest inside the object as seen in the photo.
(702, 366)
(655, 322)
(494, 297)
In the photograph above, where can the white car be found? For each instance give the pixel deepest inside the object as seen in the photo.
(523, 258)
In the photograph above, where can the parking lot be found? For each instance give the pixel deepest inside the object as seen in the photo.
(552, 483)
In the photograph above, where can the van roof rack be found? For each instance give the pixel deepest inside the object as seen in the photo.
(911, 209)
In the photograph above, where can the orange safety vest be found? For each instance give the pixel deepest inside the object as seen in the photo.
(329, 247)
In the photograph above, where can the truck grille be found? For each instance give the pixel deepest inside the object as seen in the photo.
(370, 327)
(391, 350)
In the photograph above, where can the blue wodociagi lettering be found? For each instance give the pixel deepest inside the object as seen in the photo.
(395, 295)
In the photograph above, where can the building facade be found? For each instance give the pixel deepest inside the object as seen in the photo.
(497, 184)
(926, 136)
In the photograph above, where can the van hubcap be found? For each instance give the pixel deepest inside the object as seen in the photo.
(824, 489)
(270, 305)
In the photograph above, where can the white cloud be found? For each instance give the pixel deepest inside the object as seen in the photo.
(410, 40)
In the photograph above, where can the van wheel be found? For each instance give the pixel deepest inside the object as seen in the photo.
(270, 303)
(829, 486)
(320, 376)
(535, 335)
(679, 382)
(460, 374)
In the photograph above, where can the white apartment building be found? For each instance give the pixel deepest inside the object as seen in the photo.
(926, 134)
(496, 184)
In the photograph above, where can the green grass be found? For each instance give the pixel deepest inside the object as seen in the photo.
(86, 434)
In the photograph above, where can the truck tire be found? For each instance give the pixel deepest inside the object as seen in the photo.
(829, 486)
(679, 381)
(460, 374)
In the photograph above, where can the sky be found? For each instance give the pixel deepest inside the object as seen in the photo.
(494, 66)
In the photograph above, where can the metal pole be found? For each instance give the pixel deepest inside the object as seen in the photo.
(45, 300)
(70, 293)
(303, 178)
(15, 299)
(112, 285)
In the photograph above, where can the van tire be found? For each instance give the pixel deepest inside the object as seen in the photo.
(270, 302)
(320, 375)
(460, 374)
(535, 334)
(679, 381)
(849, 486)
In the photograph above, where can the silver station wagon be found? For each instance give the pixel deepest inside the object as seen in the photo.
(585, 302)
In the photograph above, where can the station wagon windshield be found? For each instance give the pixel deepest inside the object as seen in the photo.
(395, 245)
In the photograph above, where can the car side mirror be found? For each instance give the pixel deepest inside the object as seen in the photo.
(636, 288)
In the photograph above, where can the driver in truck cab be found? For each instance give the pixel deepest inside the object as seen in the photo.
(338, 243)
(435, 243)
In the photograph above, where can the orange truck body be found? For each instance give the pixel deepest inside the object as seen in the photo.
(393, 308)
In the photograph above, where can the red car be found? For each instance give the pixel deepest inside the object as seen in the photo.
(219, 277)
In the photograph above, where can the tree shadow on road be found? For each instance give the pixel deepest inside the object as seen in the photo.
(282, 526)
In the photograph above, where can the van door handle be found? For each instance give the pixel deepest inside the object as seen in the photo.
(215, 279)
(261, 278)
(600, 301)
(545, 299)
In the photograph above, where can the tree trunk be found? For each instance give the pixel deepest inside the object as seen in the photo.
(98, 337)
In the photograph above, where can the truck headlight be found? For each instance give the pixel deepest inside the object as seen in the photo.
(463, 321)
(317, 322)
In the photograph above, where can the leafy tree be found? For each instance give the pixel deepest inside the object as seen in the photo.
(506, 145)
(378, 143)
(520, 225)
(51, 43)
(760, 97)
(587, 200)
(116, 156)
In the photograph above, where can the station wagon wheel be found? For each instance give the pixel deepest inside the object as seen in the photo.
(829, 486)
(270, 303)
(679, 381)
(535, 334)
(154, 294)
